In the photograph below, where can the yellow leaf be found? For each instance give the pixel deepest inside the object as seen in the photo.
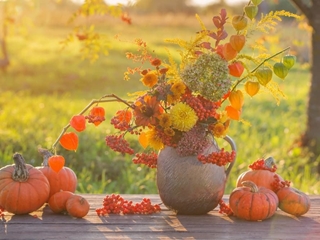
(143, 140)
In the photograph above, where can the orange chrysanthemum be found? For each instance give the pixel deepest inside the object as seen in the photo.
(150, 79)
(147, 110)
(164, 120)
(155, 62)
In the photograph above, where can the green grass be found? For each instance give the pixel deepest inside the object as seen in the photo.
(44, 87)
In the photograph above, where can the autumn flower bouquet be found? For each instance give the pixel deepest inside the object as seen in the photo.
(198, 97)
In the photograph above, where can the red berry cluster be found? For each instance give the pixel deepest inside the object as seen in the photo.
(224, 208)
(119, 144)
(120, 124)
(260, 164)
(168, 140)
(277, 184)
(116, 204)
(220, 158)
(203, 107)
(149, 159)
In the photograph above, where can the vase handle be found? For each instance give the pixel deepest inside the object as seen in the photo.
(234, 148)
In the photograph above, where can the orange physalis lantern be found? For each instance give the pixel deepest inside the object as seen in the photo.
(236, 69)
(237, 42)
(124, 115)
(264, 75)
(229, 52)
(56, 162)
(236, 99)
(78, 122)
(252, 88)
(69, 141)
(96, 115)
(239, 22)
(233, 113)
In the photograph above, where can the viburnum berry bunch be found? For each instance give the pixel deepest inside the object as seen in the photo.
(115, 204)
(224, 208)
(187, 103)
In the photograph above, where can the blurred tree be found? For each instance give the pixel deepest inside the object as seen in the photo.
(311, 137)
(4, 61)
(17, 14)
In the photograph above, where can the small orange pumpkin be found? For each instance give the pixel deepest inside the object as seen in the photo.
(23, 188)
(253, 203)
(58, 201)
(262, 177)
(65, 179)
(77, 206)
(293, 201)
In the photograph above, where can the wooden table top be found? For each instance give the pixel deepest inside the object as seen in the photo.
(43, 224)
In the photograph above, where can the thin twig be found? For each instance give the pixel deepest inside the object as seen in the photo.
(259, 65)
(94, 101)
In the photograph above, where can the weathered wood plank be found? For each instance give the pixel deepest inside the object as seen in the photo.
(43, 224)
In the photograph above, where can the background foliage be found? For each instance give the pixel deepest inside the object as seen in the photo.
(45, 85)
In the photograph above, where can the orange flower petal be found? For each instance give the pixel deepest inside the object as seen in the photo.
(233, 113)
(143, 140)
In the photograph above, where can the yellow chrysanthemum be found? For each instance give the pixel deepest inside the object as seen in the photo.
(178, 88)
(172, 98)
(150, 79)
(164, 120)
(183, 117)
(154, 140)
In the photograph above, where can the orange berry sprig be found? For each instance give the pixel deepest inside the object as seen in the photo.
(118, 144)
(203, 107)
(278, 184)
(224, 208)
(261, 164)
(220, 158)
(148, 159)
(115, 204)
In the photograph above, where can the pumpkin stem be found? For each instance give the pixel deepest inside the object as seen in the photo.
(270, 163)
(46, 154)
(253, 187)
(20, 173)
